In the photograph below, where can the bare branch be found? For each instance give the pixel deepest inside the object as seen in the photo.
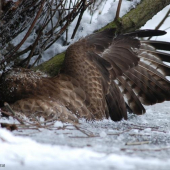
(118, 10)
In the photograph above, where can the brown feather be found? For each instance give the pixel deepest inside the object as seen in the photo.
(103, 75)
(116, 103)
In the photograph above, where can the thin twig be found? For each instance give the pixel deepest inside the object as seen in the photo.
(27, 34)
(89, 135)
(84, 6)
(9, 108)
(138, 143)
(162, 21)
(118, 10)
(13, 114)
(136, 149)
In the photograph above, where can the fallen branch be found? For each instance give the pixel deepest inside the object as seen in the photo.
(138, 143)
(143, 150)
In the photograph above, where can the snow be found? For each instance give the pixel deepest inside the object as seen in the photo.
(103, 134)
(151, 24)
(34, 155)
(141, 142)
(58, 124)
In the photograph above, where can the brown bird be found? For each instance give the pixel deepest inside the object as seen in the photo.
(104, 75)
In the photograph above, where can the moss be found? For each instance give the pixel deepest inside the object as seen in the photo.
(137, 17)
(52, 66)
(110, 25)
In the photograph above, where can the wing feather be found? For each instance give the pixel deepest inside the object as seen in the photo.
(129, 95)
(116, 103)
(104, 74)
(138, 68)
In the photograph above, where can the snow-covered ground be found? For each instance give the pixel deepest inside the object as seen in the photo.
(141, 142)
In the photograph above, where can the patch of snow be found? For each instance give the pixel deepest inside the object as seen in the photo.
(58, 124)
(103, 134)
(151, 24)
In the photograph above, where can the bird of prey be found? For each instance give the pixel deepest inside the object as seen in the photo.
(104, 75)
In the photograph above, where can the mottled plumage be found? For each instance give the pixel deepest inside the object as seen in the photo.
(103, 76)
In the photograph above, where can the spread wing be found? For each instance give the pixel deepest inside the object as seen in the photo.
(104, 75)
(134, 70)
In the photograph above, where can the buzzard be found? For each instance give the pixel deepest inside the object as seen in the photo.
(104, 75)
